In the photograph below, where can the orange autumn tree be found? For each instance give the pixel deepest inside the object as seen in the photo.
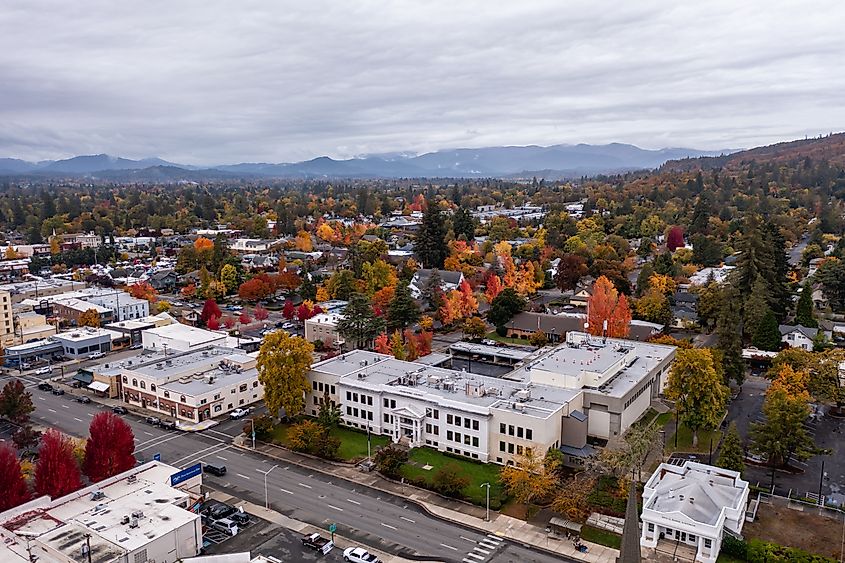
(607, 304)
(494, 287)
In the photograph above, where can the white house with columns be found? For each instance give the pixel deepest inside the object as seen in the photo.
(693, 505)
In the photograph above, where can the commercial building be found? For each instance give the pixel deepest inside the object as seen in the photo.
(32, 326)
(190, 386)
(148, 513)
(40, 288)
(324, 327)
(177, 337)
(552, 399)
(7, 321)
(86, 340)
(556, 327)
(692, 505)
(71, 309)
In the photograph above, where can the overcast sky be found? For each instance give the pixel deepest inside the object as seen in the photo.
(221, 82)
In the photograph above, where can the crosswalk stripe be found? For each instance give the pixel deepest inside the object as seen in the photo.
(479, 557)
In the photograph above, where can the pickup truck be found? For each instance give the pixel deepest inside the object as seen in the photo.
(318, 543)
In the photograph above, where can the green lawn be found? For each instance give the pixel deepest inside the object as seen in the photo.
(663, 419)
(601, 537)
(476, 472)
(685, 440)
(353, 443)
(724, 558)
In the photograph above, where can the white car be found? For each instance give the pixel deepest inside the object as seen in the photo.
(96, 356)
(359, 555)
(46, 370)
(238, 413)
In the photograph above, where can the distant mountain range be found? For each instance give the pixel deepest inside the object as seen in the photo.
(558, 161)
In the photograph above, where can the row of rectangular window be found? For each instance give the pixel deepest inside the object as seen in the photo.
(353, 411)
(467, 439)
(456, 420)
(517, 431)
(364, 399)
(514, 448)
(321, 387)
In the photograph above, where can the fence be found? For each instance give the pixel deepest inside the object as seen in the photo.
(800, 503)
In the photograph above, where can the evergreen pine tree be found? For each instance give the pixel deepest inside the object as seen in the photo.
(432, 291)
(359, 325)
(767, 335)
(730, 454)
(463, 224)
(402, 311)
(729, 334)
(430, 245)
(701, 214)
(804, 309)
(756, 306)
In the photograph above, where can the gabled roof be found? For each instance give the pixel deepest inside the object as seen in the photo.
(808, 332)
(446, 276)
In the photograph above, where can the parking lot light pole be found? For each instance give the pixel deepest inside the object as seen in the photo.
(487, 515)
(252, 421)
(266, 496)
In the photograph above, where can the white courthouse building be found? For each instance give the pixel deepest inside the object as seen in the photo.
(692, 505)
(554, 399)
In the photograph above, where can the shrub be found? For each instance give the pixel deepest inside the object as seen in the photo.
(263, 426)
(389, 461)
(759, 551)
(312, 438)
(449, 481)
(735, 547)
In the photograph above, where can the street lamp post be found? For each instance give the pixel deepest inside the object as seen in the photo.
(487, 486)
(266, 496)
(252, 422)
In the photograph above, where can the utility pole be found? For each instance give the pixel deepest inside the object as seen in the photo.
(821, 479)
(487, 515)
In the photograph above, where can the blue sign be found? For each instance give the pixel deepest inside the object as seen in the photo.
(185, 474)
(157, 457)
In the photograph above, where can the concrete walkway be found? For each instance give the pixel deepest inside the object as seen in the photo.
(462, 513)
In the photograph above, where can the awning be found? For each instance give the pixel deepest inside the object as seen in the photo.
(564, 524)
(99, 386)
(85, 377)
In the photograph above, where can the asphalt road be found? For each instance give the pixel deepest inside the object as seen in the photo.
(362, 514)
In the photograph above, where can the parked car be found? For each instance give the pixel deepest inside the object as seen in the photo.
(226, 525)
(96, 356)
(359, 555)
(119, 410)
(137, 346)
(25, 365)
(240, 517)
(238, 413)
(154, 420)
(46, 370)
(488, 342)
(168, 424)
(317, 543)
(45, 387)
(84, 399)
(58, 391)
(214, 510)
(218, 470)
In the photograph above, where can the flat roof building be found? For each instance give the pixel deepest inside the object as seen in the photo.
(134, 516)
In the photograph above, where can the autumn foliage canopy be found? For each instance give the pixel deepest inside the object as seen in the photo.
(109, 447)
(56, 473)
(607, 304)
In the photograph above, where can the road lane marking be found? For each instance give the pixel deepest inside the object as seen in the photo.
(467, 539)
(408, 520)
(242, 476)
(52, 410)
(286, 491)
(90, 414)
(221, 457)
(477, 556)
(353, 501)
(41, 399)
(77, 419)
(304, 485)
(388, 526)
(148, 433)
(333, 507)
(65, 407)
(449, 547)
(488, 545)
(484, 551)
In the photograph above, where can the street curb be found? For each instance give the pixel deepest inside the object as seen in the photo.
(423, 507)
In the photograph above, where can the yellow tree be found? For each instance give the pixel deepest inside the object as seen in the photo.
(377, 275)
(283, 364)
(303, 242)
(606, 305)
(698, 390)
(664, 284)
(11, 253)
(530, 479)
(89, 318)
(397, 346)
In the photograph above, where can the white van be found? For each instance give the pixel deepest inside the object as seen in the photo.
(226, 525)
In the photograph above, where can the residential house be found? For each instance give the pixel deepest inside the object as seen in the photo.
(449, 281)
(556, 327)
(164, 281)
(797, 336)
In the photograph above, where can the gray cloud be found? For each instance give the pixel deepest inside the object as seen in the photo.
(210, 82)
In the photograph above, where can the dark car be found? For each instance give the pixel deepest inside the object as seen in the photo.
(239, 518)
(218, 470)
(217, 510)
(58, 391)
(119, 410)
(154, 420)
(83, 399)
(45, 387)
(168, 424)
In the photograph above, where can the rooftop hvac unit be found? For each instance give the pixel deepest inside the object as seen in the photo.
(159, 365)
(97, 495)
(133, 522)
(124, 520)
(168, 362)
(138, 514)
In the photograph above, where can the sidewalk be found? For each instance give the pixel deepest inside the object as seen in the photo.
(280, 519)
(465, 514)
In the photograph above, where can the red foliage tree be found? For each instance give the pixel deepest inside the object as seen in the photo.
(382, 344)
(244, 318)
(213, 323)
(143, 290)
(570, 270)
(303, 312)
(254, 289)
(109, 447)
(229, 322)
(209, 309)
(289, 310)
(189, 290)
(494, 287)
(288, 281)
(260, 313)
(424, 343)
(12, 482)
(56, 473)
(675, 238)
(608, 305)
